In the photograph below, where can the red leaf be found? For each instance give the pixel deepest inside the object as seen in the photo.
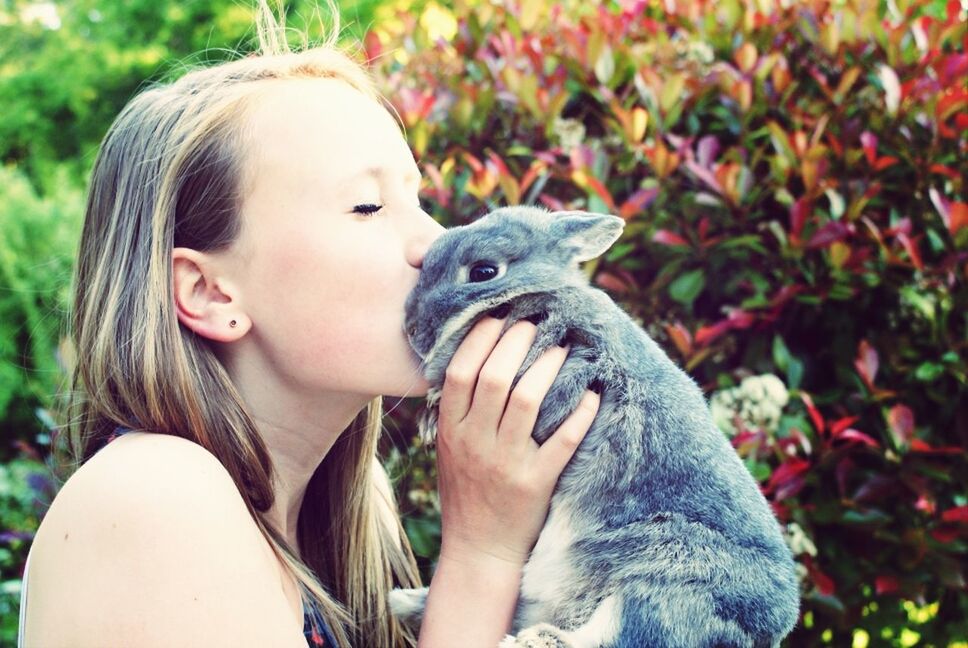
(667, 237)
(925, 503)
(917, 445)
(944, 170)
(958, 217)
(705, 175)
(680, 337)
(474, 163)
(787, 480)
(813, 411)
(824, 583)
(707, 334)
(866, 363)
(551, 203)
(945, 533)
(901, 421)
(610, 282)
(785, 294)
(740, 319)
(637, 202)
(838, 426)
(372, 45)
(602, 192)
(886, 585)
(884, 162)
(869, 142)
(582, 157)
(801, 209)
(956, 514)
(912, 249)
(832, 231)
(703, 228)
(859, 437)
(502, 168)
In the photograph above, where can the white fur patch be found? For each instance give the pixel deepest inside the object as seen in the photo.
(458, 322)
(547, 568)
(407, 603)
(602, 627)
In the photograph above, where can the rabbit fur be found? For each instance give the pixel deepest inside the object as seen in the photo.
(657, 534)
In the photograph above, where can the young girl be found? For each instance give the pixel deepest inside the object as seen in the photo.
(251, 233)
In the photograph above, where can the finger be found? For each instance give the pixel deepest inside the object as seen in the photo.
(519, 418)
(460, 377)
(555, 453)
(494, 381)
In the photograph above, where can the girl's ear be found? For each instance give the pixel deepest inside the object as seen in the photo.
(585, 235)
(204, 302)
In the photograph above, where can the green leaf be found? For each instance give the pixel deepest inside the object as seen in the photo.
(424, 535)
(928, 371)
(687, 287)
(870, 516)
(786, 362)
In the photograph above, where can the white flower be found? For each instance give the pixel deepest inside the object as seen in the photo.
(798, 541)
(758, 400)
(570, 132)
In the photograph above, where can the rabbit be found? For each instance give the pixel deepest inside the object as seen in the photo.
(657, 535)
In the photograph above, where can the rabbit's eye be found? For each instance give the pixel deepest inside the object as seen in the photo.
(482, 272)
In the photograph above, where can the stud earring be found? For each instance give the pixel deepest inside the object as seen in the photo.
(233, 323)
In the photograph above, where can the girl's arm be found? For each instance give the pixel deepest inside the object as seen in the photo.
(495, 482)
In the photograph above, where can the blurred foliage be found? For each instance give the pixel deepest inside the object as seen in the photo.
(793, 179)
(792, 175)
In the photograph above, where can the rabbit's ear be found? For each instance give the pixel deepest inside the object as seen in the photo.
(584, 234)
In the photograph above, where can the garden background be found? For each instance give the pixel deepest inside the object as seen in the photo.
(792, 175)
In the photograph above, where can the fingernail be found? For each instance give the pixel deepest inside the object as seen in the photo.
(596, 386)
(537, 318)
(501, 311)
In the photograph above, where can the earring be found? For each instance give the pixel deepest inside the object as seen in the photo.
(233, 323)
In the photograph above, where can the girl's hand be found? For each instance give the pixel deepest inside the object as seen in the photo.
(495, 481)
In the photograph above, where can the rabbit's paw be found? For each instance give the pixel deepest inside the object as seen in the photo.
(538, 636)
(427, 419)
(407, 605)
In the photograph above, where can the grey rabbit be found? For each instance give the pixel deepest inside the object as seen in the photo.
(657, 534)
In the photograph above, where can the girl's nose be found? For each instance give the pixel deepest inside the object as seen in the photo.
(421, 241)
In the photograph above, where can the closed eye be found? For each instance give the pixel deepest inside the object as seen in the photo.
(367, 208)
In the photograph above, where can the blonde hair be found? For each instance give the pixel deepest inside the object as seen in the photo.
(169, 173)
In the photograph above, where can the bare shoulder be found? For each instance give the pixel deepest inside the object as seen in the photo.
(150, 543)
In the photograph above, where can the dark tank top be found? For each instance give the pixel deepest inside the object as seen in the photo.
(315, 630)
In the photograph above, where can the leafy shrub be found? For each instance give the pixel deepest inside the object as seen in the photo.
(792, 177)
(38, 237)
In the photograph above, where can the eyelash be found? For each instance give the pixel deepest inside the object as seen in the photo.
(367, 209)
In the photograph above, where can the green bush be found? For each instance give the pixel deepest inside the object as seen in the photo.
(792, 178)
(38, 238)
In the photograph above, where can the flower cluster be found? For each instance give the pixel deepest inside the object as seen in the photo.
(756, 403)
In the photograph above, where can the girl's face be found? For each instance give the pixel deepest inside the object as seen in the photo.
(332, 241)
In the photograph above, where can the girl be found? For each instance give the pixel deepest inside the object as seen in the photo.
(251, 233)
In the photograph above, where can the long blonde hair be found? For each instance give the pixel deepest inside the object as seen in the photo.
(169, 173)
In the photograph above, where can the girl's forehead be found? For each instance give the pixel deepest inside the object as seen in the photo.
(324, 126)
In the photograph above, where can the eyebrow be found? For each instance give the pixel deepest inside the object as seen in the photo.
(378, 171)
